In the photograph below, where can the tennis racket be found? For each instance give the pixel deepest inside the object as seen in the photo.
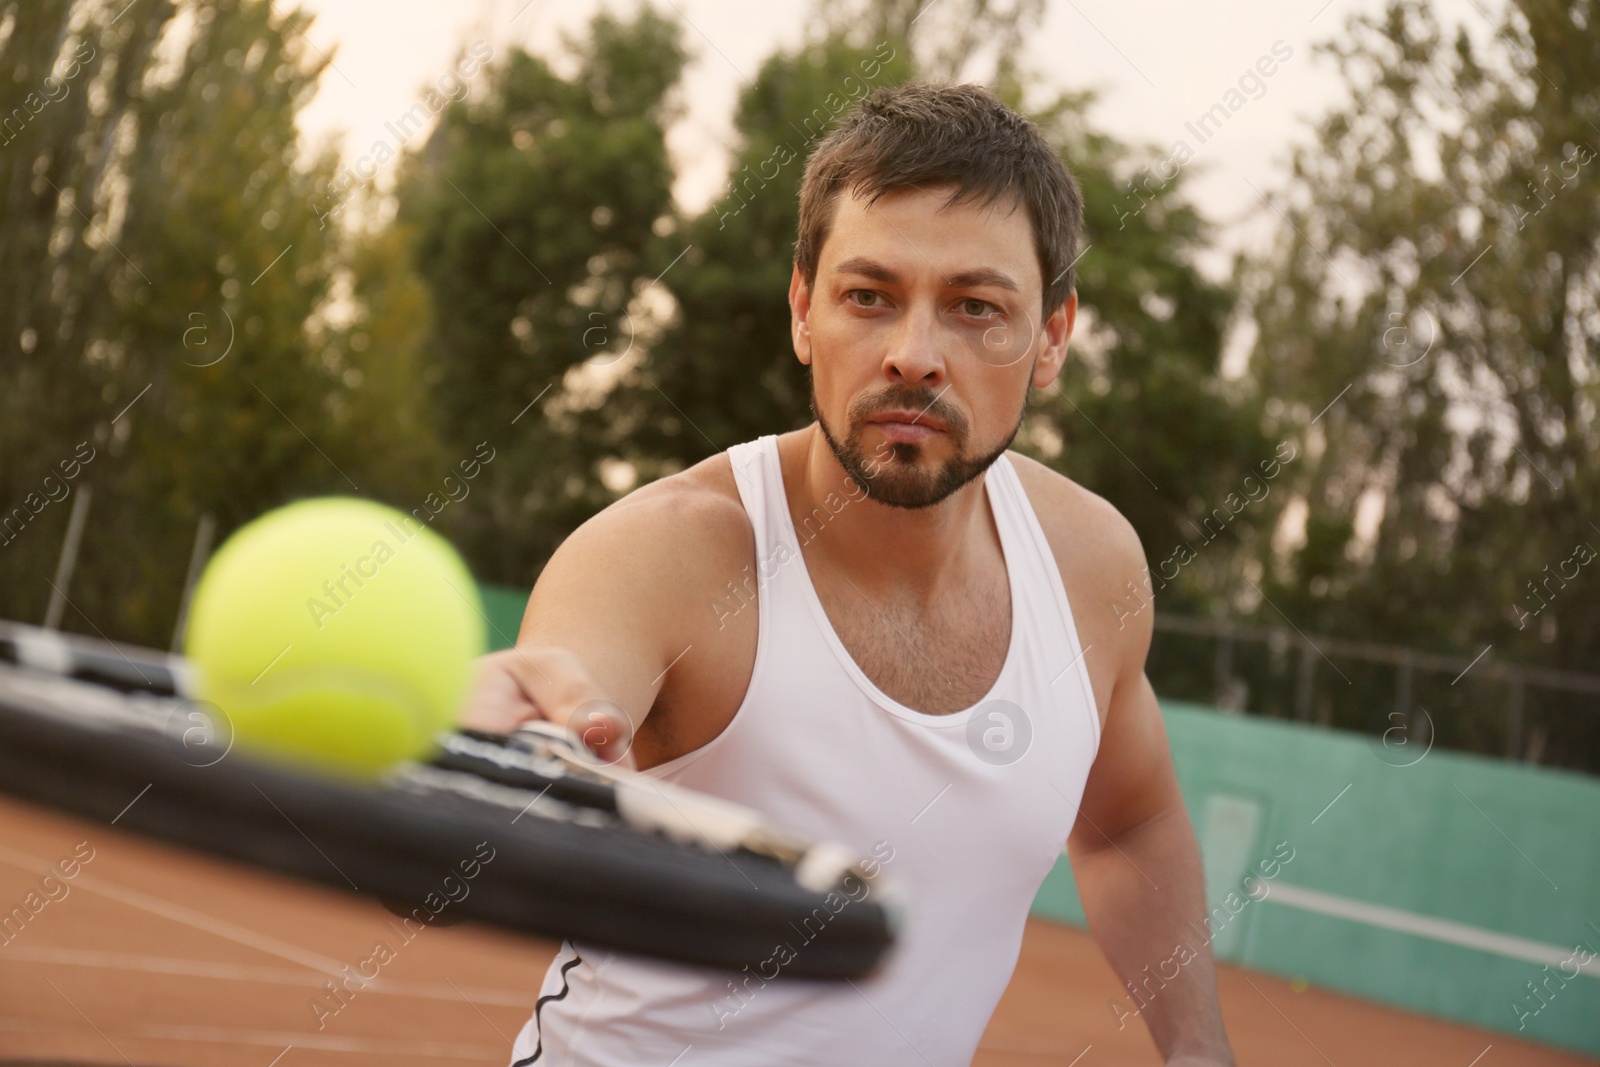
(577, 849)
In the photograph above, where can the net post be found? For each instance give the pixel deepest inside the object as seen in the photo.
(1302, 688)
(1402, 690)
(68, 561)
(197, 557)
(1514, 717)
(1224, 668)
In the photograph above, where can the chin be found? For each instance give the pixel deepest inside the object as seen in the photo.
(905, 474)
(913, 489)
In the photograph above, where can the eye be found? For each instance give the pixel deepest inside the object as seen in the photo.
(867, 298)
(976, 308)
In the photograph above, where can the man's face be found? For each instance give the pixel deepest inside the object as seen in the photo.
(923, 334)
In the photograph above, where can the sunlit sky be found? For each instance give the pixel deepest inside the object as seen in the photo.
(1157, 65)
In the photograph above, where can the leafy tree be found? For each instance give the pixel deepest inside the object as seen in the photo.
(947, 41)
(1437, 287)
(73, 82)
(1143, 415)
(532, 206)
(388, 426)
(174, 304)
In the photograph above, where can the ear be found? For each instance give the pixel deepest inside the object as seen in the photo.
(1057, 332)
(799, 311)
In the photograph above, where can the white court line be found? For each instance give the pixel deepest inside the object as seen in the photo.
(1409, 922)
(245, 972)
(274, 1038)
(187, 916)
(278, 1038)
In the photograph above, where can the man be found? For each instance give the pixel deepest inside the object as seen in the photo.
(885, 629)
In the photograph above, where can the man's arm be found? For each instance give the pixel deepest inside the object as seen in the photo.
(1137, 866)
(608, 615)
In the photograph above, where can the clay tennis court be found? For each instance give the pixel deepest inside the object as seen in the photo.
(163, 958)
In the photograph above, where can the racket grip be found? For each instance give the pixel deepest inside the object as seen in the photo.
(691, 817)
(540, 734)
(697, 818)
(684, 816)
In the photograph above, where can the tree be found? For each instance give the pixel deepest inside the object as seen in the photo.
(73, 83)
(951, 40)
(1435, 291)
(531, 207)
(1143, 415)
(173, 306)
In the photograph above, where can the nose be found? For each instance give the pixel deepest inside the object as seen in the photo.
(915, 355)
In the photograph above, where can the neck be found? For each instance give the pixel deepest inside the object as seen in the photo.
(913, 552)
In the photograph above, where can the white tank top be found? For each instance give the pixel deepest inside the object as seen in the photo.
(967, 812)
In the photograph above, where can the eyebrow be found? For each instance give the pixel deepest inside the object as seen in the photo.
(972, 279)
(966, 279)
(868, 269)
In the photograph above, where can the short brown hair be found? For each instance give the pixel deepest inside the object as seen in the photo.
(961, 135)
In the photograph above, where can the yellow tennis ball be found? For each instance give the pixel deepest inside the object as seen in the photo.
(337, 633)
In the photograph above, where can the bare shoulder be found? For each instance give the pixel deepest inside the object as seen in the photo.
(668, 535)
(635, 564)
(1097, 533)
(1101, 559)
(703, 499)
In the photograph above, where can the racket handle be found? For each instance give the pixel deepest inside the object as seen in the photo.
(691, 817)
(542, 735)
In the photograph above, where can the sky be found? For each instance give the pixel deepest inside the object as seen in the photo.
(1156, 65)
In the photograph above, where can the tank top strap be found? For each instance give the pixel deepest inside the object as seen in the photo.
(1045, 610)
(759, 479)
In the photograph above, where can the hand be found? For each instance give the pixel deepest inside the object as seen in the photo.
(519, 685)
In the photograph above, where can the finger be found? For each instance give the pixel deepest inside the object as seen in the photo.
(561, 691)
(495, 703)
(606, 730)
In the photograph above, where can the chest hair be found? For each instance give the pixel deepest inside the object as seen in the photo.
(936, 661)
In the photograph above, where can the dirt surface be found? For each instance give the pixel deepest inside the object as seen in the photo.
(158, 957)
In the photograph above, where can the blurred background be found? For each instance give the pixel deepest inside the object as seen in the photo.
(498, 264)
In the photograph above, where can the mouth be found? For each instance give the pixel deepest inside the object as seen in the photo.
(907, 427)
(908, 418)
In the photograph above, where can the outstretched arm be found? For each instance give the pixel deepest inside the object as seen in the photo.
(1137, 866)
(601, 624)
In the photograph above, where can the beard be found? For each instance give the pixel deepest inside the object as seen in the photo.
(900, 479)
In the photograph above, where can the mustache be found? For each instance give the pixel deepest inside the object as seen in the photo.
(919, 398)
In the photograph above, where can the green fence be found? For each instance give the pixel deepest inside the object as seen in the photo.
(503, 606)
(1444, 883)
